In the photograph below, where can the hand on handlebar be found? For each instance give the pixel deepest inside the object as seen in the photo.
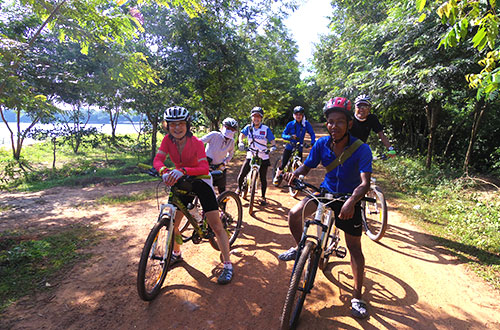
(171, 177)
(241, 146)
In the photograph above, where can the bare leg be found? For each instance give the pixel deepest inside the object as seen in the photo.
(220, 233)
(295, 218)
(357, 263)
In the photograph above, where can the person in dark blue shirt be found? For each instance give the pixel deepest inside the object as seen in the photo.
(352, 176)
(295, 132)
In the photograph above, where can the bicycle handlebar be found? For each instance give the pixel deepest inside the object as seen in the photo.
(300, 184)
(153, 172)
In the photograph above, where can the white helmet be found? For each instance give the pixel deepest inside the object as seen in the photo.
(363, 99)
(176, 113)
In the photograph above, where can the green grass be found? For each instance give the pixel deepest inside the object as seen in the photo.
(29, 263)
(458, 212)
(90, 166)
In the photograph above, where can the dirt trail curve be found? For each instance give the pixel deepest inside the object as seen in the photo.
(411, 282)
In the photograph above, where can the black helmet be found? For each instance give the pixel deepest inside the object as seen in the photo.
(298, 109)
(363, 99)
(176, 113)
(257, 110)
(338, 104)
(230, 122)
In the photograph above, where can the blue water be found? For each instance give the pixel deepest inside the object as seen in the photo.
(104, 128)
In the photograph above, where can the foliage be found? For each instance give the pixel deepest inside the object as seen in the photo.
(480, 18)
(464, 215)
(30, 262)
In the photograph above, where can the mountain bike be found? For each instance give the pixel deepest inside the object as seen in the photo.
(293, 163)
(250, 183)
(157, 251)
(375, 213)
(320, 240)
(231, 201)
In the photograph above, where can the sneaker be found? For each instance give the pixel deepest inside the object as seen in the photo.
(291, 254)
(226, 276)
(277, 179)
(263, 201)
(358, 308)
(175, 259)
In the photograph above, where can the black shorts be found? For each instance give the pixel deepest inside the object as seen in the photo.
(353, 226)
(205, 194)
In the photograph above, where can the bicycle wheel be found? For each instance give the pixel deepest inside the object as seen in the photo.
(275, 170)
(253, 187)
(375, 215)
(300, 285)
(231, 215)
(291, 191)
(155, 260)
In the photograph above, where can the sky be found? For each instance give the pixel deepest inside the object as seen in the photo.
(306, 24)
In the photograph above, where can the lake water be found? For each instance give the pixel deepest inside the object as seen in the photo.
(104, 128)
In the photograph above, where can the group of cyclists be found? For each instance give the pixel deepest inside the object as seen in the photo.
(192, 157)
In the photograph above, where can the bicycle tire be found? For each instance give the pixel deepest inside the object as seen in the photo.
(296, 295)
(231, 215)
(375, 215)
(155, 260)
(253, 187)
(275, 170)
(291, 191)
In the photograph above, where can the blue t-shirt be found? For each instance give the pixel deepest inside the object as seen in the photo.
(297, 129)
(345, 177)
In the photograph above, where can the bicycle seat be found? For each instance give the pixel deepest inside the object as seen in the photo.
(216, 174)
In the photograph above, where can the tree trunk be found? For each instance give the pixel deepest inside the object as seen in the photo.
(479, 109)
(432, 111)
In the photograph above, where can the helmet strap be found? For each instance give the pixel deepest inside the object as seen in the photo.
(343, 137)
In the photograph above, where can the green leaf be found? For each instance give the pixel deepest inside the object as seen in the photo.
(479, 37)
(422, 17)
(420, 5)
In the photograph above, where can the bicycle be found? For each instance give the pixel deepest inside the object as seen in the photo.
(230, 199)
(293, 163)
(375, 213)
(157, 251)
(313, 251)
(250, 183)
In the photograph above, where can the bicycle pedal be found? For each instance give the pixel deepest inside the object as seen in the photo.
(341, 252)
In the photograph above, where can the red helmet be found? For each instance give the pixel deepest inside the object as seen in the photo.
(338, 104)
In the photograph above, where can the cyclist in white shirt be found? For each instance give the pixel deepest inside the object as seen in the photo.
(219, 146)
(258, 136)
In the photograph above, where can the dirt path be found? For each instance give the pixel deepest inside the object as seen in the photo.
(411, 282)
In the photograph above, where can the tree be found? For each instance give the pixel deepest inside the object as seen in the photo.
(482, 19)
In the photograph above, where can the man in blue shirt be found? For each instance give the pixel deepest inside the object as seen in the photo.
(295, 132)
(352, 176)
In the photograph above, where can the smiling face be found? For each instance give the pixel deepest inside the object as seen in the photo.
(337, 125)
(256, 119)
(298, 116)
(177, 129)
(362, 110)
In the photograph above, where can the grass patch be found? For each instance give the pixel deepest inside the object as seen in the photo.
(28, 263)
(461, 214)
(122, 199)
